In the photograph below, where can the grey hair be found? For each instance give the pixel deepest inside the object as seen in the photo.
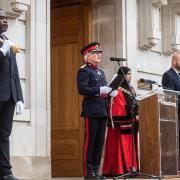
(86, 57)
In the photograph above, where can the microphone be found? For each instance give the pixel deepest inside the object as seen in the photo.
(117, 59)
(147, 81)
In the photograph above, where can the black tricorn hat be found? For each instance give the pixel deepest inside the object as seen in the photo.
(93, 46)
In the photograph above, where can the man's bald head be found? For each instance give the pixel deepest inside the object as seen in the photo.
(176, 61)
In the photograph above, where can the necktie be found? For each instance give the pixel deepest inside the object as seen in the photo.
(4, 38)
(1, 36)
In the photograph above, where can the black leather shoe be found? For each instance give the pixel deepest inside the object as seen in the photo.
(8, 177)
(91, 176)
(100, 176)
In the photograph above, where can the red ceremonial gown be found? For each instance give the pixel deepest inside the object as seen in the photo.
(118, 147)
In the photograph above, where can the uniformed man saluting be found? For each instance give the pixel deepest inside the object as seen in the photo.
(92, 84)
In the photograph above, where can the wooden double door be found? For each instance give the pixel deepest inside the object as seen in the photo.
(69, 32)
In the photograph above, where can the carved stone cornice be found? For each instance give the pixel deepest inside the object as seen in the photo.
(149, 34)
(15, 8)
(159, 3)
(170, 28)
(19, 5)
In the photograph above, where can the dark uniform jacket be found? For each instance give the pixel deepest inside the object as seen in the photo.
(89, 81)
(9, 78)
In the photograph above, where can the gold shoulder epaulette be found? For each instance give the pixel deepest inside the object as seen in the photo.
(83, 66)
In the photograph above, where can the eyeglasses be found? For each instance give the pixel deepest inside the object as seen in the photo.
(95, 52)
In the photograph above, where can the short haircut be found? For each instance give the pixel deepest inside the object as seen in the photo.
(86, 57)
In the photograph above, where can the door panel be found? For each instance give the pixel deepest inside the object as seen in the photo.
(65, 26)
(67, 135)
(65, 69)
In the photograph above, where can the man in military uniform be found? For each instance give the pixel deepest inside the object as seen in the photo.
(92, 84)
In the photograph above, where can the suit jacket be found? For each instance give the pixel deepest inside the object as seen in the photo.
(171, 80)
(9, 78)
(89, 81)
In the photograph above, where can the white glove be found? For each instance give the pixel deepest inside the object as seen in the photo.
(114, 93)
(105, 90)
(19, 108)
(7, 44)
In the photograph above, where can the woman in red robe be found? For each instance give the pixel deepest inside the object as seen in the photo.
(118, 147)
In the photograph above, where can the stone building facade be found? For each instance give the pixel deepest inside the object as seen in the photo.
(145, 32)
(29, 28)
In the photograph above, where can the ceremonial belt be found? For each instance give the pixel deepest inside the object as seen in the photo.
(124, 124)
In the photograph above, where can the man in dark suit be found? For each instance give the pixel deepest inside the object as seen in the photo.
(171, 78)
(10, 96)
(91, 83)
(171, 81)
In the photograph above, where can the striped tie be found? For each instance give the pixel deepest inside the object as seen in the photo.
(1, 36)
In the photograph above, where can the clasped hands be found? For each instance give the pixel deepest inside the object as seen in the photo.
(105, 90)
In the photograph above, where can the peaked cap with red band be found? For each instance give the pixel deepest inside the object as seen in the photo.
(93, 46)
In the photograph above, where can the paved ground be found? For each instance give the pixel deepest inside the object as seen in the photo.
(109, 179)
(70, 178)
(79, 178)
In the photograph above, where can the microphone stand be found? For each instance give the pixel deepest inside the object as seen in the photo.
(133, 171)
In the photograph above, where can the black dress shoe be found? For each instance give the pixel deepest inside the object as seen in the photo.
(8, 177)
(101, 176)
(91, 176)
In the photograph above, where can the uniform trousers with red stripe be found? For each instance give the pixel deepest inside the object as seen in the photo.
(95, 128)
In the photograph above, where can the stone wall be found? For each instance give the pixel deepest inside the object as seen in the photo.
(145, 32)
(29, 27)
(123, 27)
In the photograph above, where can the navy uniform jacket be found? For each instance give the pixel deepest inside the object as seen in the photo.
(9, 78)
(89, 81)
